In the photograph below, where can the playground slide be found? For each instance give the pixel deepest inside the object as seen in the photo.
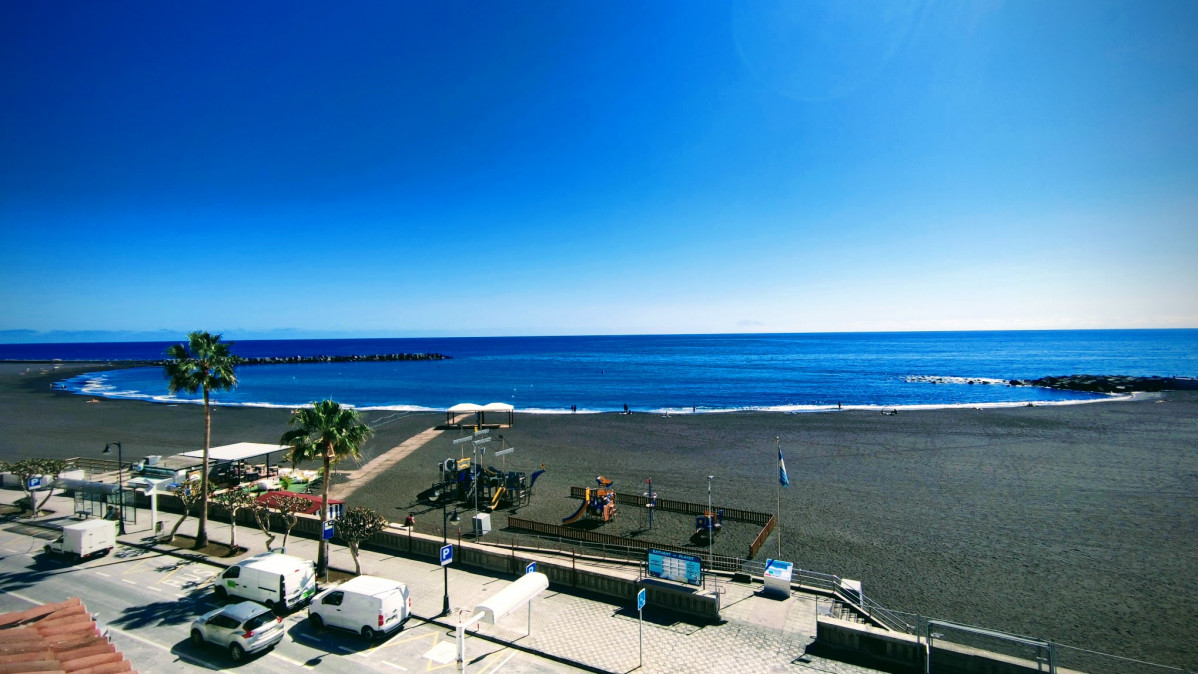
(533, 480)
(498, 495)
(582, 509)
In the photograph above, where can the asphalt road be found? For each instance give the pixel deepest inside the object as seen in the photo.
(148, 600)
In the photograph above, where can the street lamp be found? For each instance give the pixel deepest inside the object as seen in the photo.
(120, 482)
(445, 541)
(710, 529)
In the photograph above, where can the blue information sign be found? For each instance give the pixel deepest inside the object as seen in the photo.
(532, 566)
(674, 566)
(446, 555)
(640, 599)
(326, 533)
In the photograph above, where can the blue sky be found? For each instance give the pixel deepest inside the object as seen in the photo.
(393, 169)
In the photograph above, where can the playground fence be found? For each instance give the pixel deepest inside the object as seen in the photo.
(672, 505)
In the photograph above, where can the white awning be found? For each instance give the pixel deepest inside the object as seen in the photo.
(497, 407)
(462, 408)
(237, 451)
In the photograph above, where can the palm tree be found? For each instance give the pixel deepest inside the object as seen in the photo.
(204, 363)
(328, 432)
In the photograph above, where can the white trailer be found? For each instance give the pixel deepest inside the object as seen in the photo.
(89, 538)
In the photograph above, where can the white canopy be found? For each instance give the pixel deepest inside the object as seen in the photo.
(497, 407)
(462, 408)
(238, 451)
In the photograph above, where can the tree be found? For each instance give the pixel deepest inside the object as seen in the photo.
(26, 469)
(234, 499)
(262, 516)
(206, 364)
(192, 493)
(356, 525)
(330, 433)
(288, 507)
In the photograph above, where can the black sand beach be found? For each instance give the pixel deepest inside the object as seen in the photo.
(1077, 524)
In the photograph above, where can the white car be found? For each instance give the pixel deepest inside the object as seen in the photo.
(242, 628)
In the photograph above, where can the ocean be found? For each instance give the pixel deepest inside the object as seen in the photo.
(661, 373)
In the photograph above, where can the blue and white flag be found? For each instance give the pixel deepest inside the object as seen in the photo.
(782, 479)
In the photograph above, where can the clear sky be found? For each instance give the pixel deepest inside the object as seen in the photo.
(499, 168)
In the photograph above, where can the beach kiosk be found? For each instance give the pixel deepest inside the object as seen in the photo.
(777, 577)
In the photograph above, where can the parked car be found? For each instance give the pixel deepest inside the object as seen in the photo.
(368, 605)
(275, 579)
(242, 628)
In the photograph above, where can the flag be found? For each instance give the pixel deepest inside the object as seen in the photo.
(782, 479)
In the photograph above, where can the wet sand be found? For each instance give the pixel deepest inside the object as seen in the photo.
(1077, 524)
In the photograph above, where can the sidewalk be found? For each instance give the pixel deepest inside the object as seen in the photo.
(759, 634)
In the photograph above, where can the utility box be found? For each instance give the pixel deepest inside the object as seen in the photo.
(482, 524)
(777, 577)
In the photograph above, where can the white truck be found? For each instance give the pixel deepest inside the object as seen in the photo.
(89, 538)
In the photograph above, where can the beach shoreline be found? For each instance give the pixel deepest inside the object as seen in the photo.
(1073, 523)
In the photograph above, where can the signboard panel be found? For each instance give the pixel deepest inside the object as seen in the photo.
(674, 566)
(326, 532)
(446, 555)
(640, 599)
(531, 568)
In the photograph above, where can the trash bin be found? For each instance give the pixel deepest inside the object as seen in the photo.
(158, 528)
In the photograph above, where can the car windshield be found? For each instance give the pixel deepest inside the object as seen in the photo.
(258, 620)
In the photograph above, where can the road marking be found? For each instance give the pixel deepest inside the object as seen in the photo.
(131, 582)
(101, 573)
(11, 550)
(156, 589)
(343, 649)
(500, 665)
(392, 664)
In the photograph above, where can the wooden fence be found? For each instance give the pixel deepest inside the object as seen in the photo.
(671, 505)
(760, 540)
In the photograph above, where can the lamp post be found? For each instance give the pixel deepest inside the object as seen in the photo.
(445, 541)
(120, 483)
(710, 530)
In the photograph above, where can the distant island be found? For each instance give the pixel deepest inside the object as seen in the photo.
(271, 360)
(1110, 383)
(369, 358)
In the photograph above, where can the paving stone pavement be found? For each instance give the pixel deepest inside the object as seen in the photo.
(759, 634)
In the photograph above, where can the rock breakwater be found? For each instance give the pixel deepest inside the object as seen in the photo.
(1110, 383)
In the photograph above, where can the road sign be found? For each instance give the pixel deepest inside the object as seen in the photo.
(640, 599)
(532, 566)
(446, 555)
(35, 483)
(327, 531)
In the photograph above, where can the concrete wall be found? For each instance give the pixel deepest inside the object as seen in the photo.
(871, 646)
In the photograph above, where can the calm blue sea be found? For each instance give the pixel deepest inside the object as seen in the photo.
(675, 373)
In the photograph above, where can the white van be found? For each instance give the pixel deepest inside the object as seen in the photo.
(368, 605)
(277, 580)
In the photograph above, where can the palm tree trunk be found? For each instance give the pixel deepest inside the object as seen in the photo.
(322, 558)
(202, 531)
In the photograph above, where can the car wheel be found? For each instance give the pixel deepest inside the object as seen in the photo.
(221, 593)
(368, 632)
(316, 620)
(197, 639)
(236, 652)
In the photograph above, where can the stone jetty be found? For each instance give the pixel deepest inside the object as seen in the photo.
(1111, 383)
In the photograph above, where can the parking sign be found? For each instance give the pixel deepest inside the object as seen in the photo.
(326, 533)
(532, 566)
(640, 599)
(446, 554)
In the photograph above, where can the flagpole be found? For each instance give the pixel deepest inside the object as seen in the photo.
(778, 491)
